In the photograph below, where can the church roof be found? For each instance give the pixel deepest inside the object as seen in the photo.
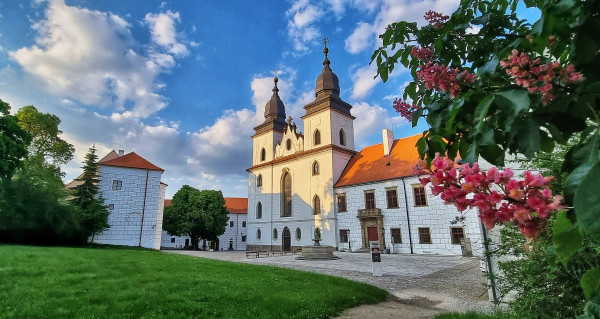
(235, 205)
(327, 81)
(132, 160)
(370, 165)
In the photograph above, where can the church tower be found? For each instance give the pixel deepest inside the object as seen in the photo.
(290, 189)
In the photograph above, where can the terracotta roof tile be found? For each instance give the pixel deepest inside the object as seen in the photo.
(371, 165)
(132, 160)
(234, 205)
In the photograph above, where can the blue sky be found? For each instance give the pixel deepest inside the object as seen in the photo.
(183, 83)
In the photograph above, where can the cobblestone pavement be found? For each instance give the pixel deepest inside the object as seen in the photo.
(420, 286)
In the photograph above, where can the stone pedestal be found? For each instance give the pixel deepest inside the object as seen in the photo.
(317, 252)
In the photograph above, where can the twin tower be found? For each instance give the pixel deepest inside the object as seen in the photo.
(290, 192)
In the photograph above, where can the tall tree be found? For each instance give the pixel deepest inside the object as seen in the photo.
(93, 214)
(197, 214)
(46, 135)
(13, 142)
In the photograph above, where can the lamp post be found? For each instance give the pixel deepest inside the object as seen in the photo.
(349, 244)
(383, 235)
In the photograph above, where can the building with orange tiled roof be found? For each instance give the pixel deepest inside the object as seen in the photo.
(234, 237)
(134, 194)
(302, 185)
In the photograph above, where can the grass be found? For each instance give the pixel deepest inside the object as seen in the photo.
(102, 282)
(475, 315)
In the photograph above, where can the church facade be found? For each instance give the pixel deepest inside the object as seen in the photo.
(316, 183)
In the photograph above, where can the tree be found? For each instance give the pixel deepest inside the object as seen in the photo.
(44, 129)
(197, 214)
(13, 142)
(93, 214)
(488, 83)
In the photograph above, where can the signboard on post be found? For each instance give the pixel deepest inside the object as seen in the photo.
(376, 258)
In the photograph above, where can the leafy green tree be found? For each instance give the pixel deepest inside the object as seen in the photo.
(93, 214)
(197, 214)
(46, 135)
(13, 142)
(488, 83)
(34, 207)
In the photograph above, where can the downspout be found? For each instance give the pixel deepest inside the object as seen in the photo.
(144, 207)
(407, 217)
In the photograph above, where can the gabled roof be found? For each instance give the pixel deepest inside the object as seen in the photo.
(110, 156)
(370, 165)
(132, 160)
(235, 205)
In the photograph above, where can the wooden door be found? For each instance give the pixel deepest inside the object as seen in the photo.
(287, 239)
(372, 234)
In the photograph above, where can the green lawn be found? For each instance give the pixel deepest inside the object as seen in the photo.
(101, 282)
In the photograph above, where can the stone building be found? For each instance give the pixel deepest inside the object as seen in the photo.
(235, 234)
(300, 184)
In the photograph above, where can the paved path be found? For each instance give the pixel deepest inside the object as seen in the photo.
(420, 286)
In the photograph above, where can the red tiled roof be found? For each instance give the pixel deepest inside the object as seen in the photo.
(371, 165)
(132, 160)
(234, 205)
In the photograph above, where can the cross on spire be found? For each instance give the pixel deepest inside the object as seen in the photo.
(325, 40)
(275, 72)
(289, 120)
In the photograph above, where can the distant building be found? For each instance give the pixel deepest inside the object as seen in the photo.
(131, 188)
(235, 234)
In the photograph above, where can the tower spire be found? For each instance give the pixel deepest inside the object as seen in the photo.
(326, 61)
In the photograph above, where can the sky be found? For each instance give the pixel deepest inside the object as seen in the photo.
(183, 83)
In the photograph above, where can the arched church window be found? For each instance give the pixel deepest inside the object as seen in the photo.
(315, 168)
(274, 233)
(316, 205)
(258, 210)
(263, 155)
(286, 187)
(288, 144)
(258, 234)
(317, 137)
(259, 180)
(342, 137)
(298, 233)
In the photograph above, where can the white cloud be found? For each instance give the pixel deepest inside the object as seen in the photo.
(370, 120)
(364, 81)
(360, 38)
(90, 56)
(162, 28)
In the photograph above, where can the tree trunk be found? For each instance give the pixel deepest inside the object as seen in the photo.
(194, 242)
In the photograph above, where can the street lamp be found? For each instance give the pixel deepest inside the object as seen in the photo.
(383, 235)
(349, 244)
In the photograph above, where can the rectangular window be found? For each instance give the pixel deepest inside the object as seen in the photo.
(424, 235)
(392, 198)
(457, 234)
(341, 201)
(231, 224)
(243, 224)
(343, 235)
(419, 194)
(396, 236)
(369, 200)
(172, 239)
(243, 238)
(117, 185)
(111, 206)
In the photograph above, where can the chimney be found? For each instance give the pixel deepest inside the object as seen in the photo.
(388, 141)
(121, 153)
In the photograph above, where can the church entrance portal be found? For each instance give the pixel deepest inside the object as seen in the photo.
(371, 226)
(287, 239)
(372, 233)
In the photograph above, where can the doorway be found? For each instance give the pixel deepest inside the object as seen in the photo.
(287, 239)
(372, 234)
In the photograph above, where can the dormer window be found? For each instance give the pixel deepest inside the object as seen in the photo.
(263, 155)
(342, 137)
(288, 144)
(317, 137)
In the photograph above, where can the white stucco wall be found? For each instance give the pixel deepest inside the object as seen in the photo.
(234, 234)
(125, 218)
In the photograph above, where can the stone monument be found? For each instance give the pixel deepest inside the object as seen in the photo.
(316, 251)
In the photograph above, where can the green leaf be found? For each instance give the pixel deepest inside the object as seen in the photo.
(587, 203)
(422, 146)
(490, 66)
(566, 237)
(591, 311)
(528, 139)
(492, 153)
(516, 101)
(481, 111)
(574, 180)
(590, 282)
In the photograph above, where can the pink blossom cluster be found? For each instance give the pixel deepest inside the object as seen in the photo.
(498, 197)
(443, 78)
(406, 110)
(423, 54)
(540, 77)
(436, 19)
